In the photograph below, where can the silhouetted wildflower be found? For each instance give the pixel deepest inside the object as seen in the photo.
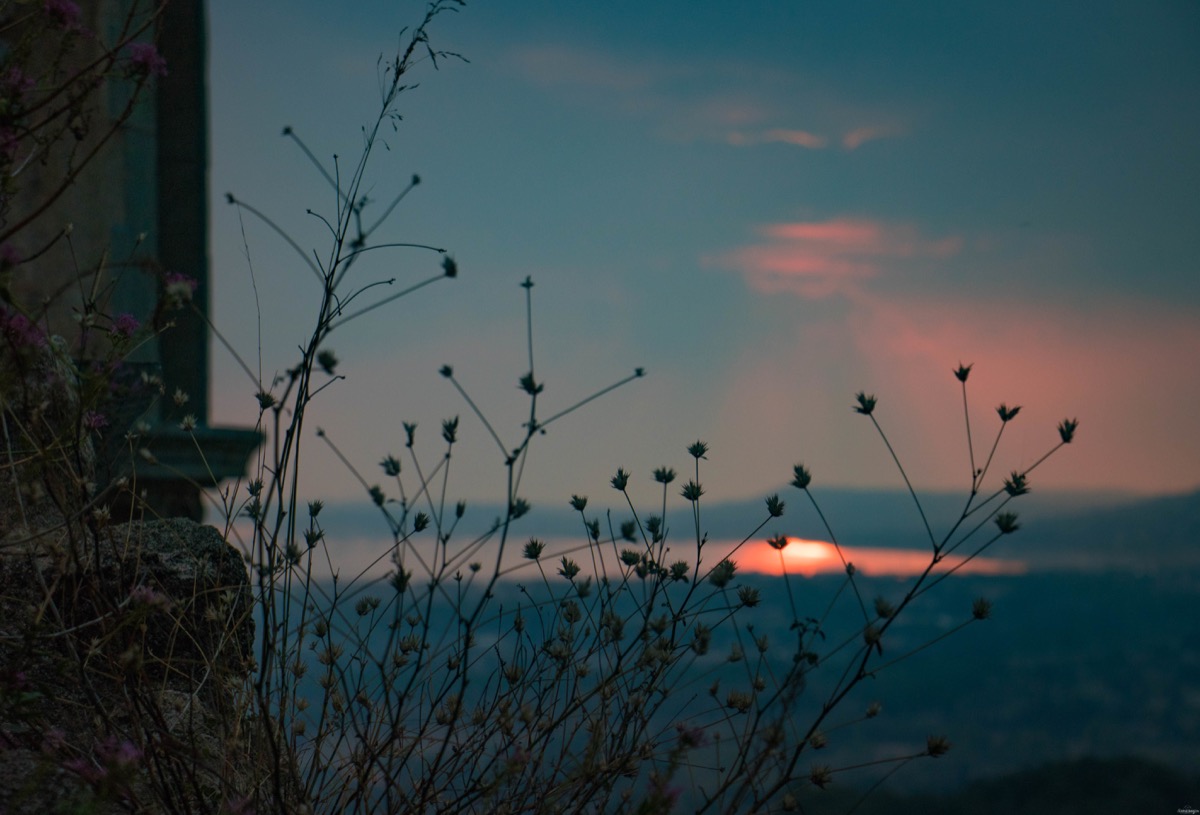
(802, 477)
(1007, 413)
(569, 568)
(1066, 429)
(1016, 484)
(1007, 522)
(327, 360)
(937, 746)
(722, 573)
(821, 775)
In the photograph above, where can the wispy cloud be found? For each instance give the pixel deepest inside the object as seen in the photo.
(799, 138)
(739, 104)
(850, 140)
(853, 139)
(560, 65)
(817, 259)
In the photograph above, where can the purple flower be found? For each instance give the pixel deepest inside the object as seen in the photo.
(118, 755)
(9, 256)
(9, 142)
(15, 83)
(124, 325)
(240, 805)
(20, 331)
(94, 421)
(53, 740)
(146, 60)
(63, 13)
(85, 769)
(179, 288)
(150, 598)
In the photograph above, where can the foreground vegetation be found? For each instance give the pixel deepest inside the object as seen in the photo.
(604, 685)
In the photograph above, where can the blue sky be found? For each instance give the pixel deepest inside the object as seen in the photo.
(769, 207)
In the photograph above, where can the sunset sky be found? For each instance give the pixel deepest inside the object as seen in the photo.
(767, 206)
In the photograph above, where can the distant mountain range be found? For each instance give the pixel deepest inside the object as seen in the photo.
(1116, 786)
(1144, 536)
(1088, 530)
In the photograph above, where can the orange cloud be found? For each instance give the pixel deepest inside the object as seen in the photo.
(817, 259)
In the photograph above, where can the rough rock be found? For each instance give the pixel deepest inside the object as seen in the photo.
(125, 666)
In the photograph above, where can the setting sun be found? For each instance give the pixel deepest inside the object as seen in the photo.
(812, 557)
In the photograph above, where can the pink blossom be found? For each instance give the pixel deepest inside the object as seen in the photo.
(146, 60)
(124, 325)
(20, 331)
(53, 740)
(240, 805)
(9, 142)
(15, 82)
(149, 598)
(118, 755)
(63, 13)
(179, 288)
(95, 421)
(178, 279)
(85, 769)
(9, 256)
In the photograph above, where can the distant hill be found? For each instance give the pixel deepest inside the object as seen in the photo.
(859, 517)
(1093, 786)
(1145, 536)
(1083, 530)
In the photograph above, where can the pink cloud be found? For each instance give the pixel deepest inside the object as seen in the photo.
(1115, 366)
(690, 99)
(799, 138)
(859, 136)
(1121, 367)
(817, 259)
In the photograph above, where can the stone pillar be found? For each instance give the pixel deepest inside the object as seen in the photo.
(140, 209)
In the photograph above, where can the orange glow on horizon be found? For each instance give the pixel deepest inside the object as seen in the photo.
(813, 557)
